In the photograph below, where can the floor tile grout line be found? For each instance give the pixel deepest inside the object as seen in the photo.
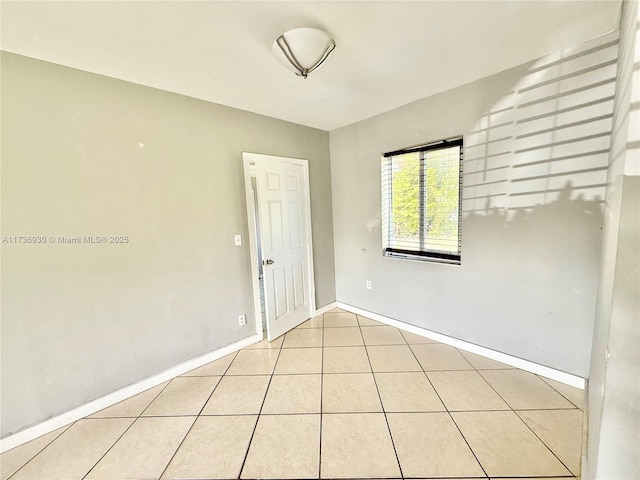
(514, 409)
(468, 445)
(195, 419)
(350, 412)
(321, 408)
(218, 383)
(111, 447)
(492, 388)
(572, 406)
(467, 360)
(429, 342)
(386, 419)
(559, 392)
(544, 443)
(568, 477)
(128, 428)
(164, 470)
(89, 417)
(347, 412)
(67, 427)
(488, 383)
(255, 427)
(539, 377)
(547, 477)
(450, 416)
(155, 398)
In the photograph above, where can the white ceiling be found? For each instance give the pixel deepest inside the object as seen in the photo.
(389, 53)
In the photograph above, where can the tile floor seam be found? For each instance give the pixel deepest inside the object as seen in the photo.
(568, 409)
(544, 443)
(492, 388)
(337, 346)
(41, 450)
(521, 413)
(471, 411)
(198, 414)
(386, 419)
(321, 408)
(295, 374)
(512, 409)
(524, 409)
(351, 373)
(450, 370)
(449, 413)
(528, 477)
(128, 428)
(181, 442)
(264, 398)
(558, 391)
(277, 414)
(154, 398)
(494, 370)
(112, 445)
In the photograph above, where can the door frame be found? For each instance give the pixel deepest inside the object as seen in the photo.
(247, 159)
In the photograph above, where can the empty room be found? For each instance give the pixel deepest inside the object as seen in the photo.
(320, 239)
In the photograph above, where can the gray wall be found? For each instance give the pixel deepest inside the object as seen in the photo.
(80, 321)
(536, 151)
(614, 380)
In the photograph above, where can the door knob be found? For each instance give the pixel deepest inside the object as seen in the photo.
(268, 261)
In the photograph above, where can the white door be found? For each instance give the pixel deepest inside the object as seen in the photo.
(285, 235)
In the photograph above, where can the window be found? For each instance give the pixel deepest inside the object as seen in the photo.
(421, 197)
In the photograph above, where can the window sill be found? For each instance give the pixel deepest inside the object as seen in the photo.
(421, 258)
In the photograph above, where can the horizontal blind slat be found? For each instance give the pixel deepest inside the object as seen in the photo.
(421, 199)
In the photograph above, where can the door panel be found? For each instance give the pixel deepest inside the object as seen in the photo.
(280, 292)
(295, 234)
(276, 227)
(298, 285)
(292, 183)
(273, 181)
(282, 206)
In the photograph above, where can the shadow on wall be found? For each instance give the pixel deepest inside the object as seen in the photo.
(535, 164)
(550, 134)
(562, 233)
(535, 172)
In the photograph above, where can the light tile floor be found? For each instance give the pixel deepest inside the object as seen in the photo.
(341, 396)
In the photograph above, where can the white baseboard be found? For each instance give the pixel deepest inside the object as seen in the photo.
(101, 403)
(526, 365)
(325, 309)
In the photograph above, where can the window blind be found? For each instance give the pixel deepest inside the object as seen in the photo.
(421, 201)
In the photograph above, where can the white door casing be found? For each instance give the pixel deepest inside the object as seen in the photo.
(285, 234)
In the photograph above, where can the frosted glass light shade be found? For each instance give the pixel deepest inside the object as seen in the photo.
(302, 50)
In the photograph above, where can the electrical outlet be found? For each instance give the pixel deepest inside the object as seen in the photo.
(242, 320)
(368, 284)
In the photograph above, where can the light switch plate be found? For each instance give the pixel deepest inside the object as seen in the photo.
(237, 239)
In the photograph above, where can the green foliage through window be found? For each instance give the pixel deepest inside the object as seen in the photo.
(421, 201)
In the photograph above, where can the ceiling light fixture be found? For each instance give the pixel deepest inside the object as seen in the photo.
(302, 50)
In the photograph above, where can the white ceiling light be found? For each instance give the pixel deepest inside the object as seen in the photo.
(302, 50)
